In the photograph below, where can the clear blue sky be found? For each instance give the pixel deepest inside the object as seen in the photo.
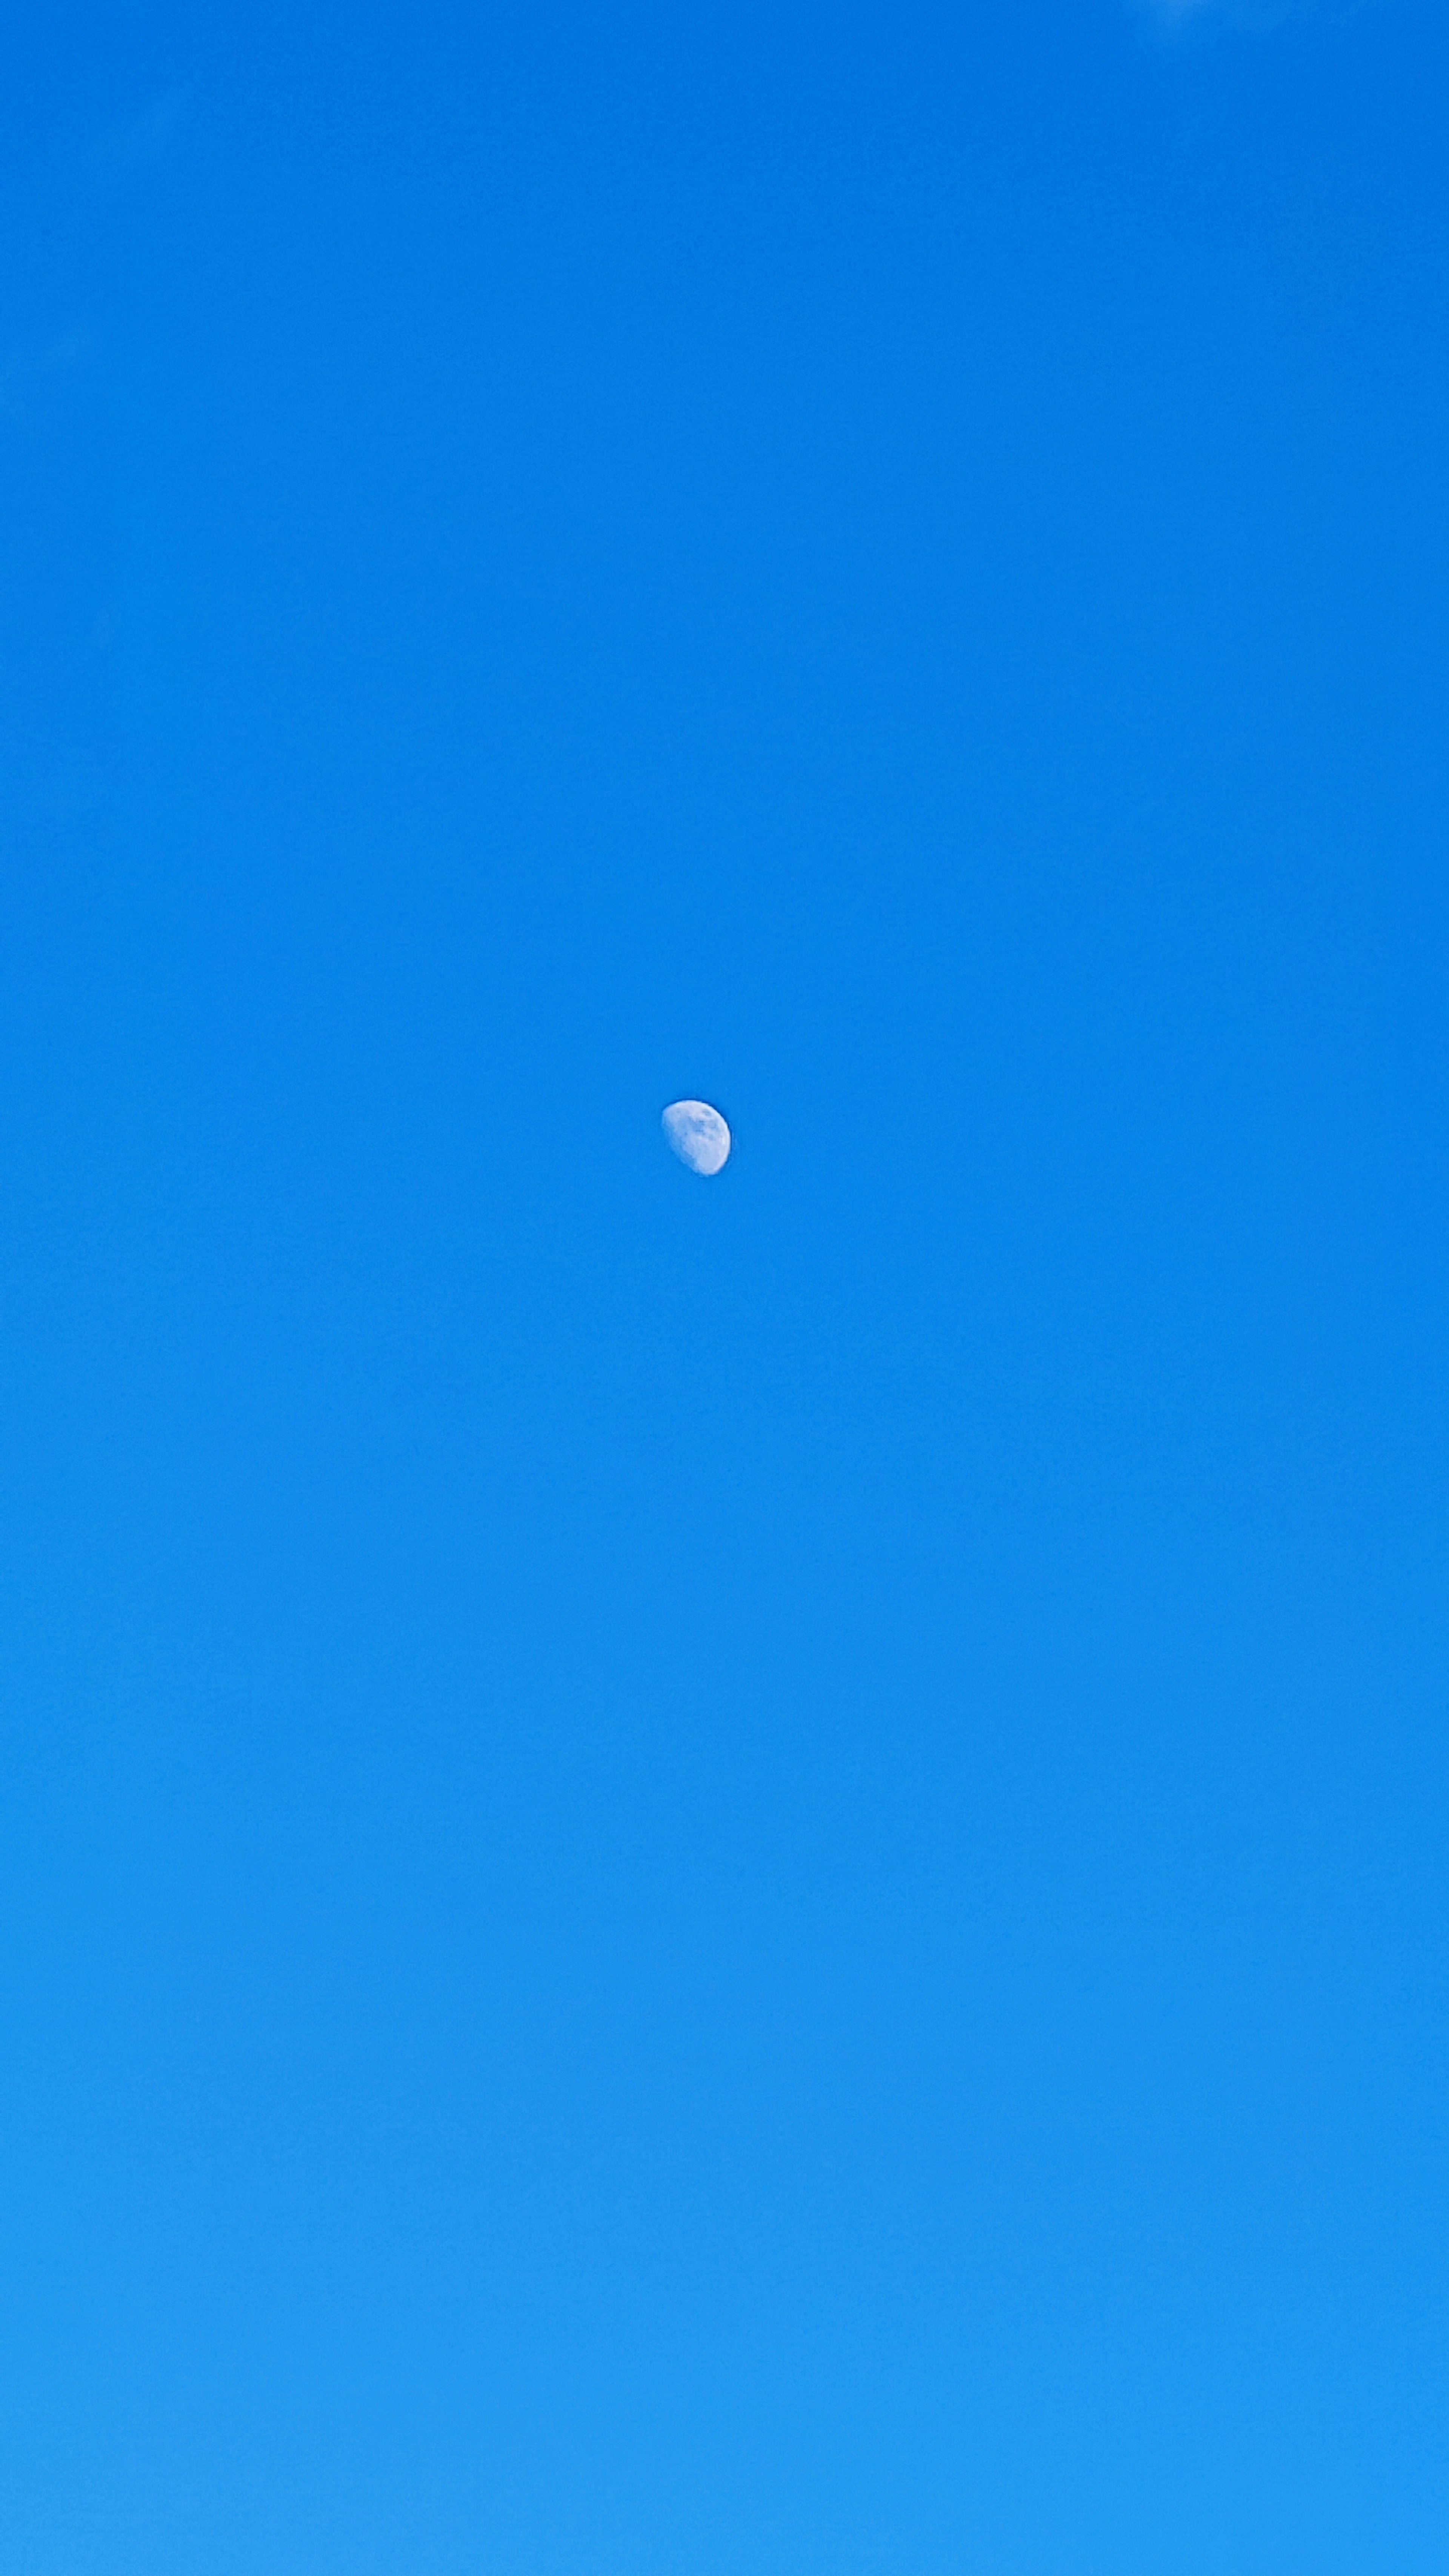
(736, 1878)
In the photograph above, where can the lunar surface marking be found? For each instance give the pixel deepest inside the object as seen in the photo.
(698, 1135)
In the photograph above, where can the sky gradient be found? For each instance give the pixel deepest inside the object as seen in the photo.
(738, 1878)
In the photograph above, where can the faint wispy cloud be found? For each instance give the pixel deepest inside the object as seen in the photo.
(1174, 17)
(146, 139)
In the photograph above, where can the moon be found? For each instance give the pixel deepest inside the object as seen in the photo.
(698, 1135)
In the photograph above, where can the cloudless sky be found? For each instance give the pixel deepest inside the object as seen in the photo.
(735, 1878)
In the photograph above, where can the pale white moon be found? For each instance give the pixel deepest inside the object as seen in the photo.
(698, 1134)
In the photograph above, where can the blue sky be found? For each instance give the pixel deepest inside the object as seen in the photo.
(743, 1878)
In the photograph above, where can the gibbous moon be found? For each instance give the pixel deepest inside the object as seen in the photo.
(698, 1134)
